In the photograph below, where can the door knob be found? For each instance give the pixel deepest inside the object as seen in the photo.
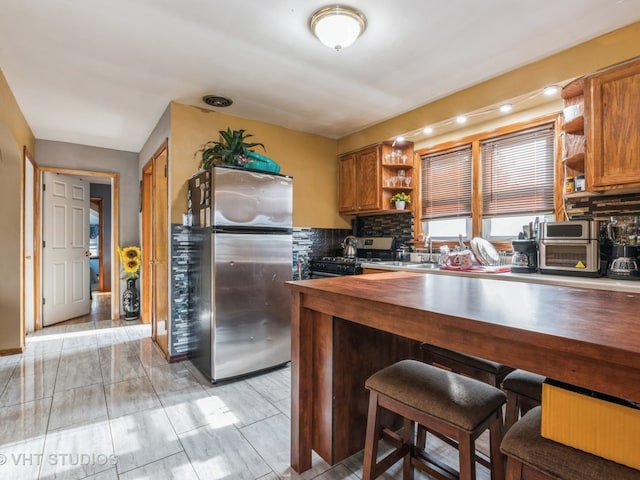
(87, 253)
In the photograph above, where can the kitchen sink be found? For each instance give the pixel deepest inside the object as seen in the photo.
(425, 266)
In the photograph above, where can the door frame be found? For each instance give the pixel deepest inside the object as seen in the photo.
(27, 157)
(115, 235)
(146, 304)
(149, 265)
(98, 201)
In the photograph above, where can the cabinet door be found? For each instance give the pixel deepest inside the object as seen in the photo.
(347, 184)
(368, 179)
(613, 128)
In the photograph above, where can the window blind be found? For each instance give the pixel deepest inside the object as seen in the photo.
(446, 184)
(517, 172)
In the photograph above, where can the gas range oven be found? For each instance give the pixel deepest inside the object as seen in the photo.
(370, 249)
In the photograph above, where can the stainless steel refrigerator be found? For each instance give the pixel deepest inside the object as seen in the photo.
(242, 228)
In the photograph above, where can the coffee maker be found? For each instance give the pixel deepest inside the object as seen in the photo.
(622, 232)
(525, 256)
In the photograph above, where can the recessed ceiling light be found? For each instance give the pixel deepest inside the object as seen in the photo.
(506, 107)
(399, 139)
(461, 119)
(217, 101)
(427, 130)
(551, 90)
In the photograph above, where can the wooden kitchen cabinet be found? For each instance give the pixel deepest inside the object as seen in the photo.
(359, 181)
(613, 128)
(368, 178)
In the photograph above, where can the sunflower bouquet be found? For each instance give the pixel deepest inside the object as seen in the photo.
(130, 258)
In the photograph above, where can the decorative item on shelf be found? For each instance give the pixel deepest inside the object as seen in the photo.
(569, 185)
(130, 258)
(232, 150)
(400, 199)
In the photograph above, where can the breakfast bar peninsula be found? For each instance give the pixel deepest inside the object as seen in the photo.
(345, 328)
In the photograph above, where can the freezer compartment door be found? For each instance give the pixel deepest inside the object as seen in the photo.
(252, 326)
(243, 198)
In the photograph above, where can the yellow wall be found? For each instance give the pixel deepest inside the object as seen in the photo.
(608, 49)
(309, 159)
(14, 135)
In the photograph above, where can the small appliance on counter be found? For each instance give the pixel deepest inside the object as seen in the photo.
(570, 248)
(525, 256)
(624, 264)
(622, 232)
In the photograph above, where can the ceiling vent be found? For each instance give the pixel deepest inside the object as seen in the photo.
(216, 101)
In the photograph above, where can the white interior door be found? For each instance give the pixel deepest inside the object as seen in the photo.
(65, 251)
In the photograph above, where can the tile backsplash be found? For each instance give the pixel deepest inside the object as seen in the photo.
(397, 225)
(602, 207)
(315, 242)
(325, 242)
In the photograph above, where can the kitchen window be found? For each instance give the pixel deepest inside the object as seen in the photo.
(446, 193)
(517, 181)
(490, 184)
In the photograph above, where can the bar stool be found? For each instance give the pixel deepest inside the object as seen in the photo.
(524, 391)
(486, 371)
(533, 457)
(449, 404)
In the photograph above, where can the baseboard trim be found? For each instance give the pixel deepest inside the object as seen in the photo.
(11, 351)
(177, 358)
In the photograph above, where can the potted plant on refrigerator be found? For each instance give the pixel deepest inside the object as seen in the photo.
(232, 149)
(400, 199)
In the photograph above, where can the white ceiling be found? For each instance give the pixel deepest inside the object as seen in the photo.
(101, 72)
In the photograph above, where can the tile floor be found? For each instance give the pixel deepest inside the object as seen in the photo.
(97, 400)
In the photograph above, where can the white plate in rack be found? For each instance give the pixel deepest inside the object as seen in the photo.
(484, 251)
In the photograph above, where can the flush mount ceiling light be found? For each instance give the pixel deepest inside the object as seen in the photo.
(337, 26)
(217, 101)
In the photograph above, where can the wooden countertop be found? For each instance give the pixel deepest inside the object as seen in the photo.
(589, 338)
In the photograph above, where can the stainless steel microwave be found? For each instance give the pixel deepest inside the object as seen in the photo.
(570, 248)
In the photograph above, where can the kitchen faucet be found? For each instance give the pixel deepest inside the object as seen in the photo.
(428, 242)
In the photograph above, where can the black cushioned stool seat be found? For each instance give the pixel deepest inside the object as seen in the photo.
(533, 457)
(487, 371)
(453, 405)
(524, 391)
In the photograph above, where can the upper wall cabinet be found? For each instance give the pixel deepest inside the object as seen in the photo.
(368, 178)
(359, 179)
(613, 128)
